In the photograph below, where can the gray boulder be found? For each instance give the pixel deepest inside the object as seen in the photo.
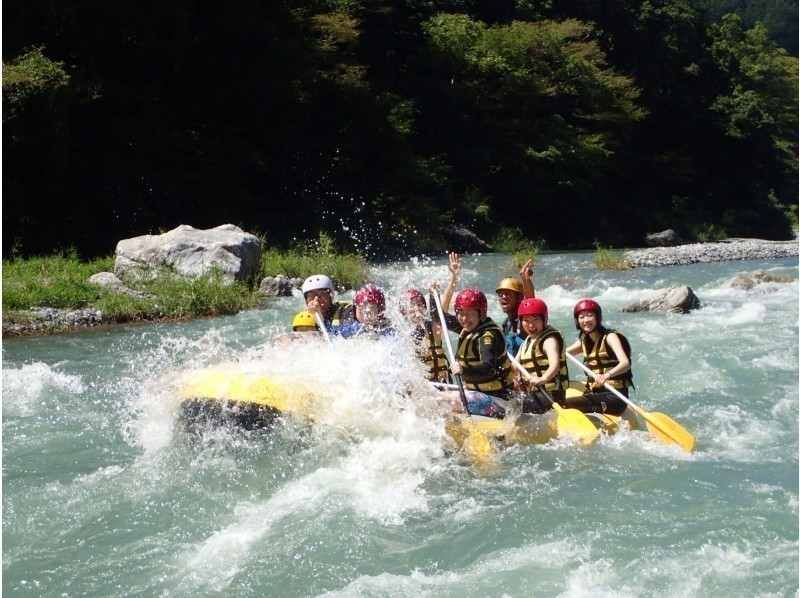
(109, 281)
(748, 281)
(679, 300)
(191, 252)
(666, 238)
(461, 239)
(276, 286)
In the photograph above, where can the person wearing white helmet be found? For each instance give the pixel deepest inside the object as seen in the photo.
(318, 293)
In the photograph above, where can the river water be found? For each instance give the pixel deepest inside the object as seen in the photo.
(104, 495)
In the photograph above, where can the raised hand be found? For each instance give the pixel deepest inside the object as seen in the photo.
(526, 273)
(454, 266)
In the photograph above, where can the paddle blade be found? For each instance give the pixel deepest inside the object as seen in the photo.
(667, 430)
(574, 423)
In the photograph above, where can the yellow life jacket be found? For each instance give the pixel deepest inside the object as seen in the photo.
(533, 358)
(500, 379)
(600, 359)
(430, 351)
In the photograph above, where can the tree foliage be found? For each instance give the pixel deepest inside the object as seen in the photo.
(380, 121)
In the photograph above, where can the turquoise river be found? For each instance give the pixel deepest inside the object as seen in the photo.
(105, 495)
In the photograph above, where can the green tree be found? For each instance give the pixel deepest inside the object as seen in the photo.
(544, 114)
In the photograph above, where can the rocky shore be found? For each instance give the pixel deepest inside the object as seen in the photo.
(722, 251)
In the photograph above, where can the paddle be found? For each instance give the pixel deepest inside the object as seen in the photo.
(475, 444)
(321, 326)
(660, 425)
(449, 348)
(570, 422)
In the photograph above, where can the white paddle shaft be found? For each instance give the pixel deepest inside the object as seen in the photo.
(322, 327)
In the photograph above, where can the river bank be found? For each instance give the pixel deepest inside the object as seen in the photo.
(721, 251)
(40, 321)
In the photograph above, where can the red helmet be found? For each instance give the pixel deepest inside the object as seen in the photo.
(587, 305)
(370, 294)
(533, 307)
(472, 299)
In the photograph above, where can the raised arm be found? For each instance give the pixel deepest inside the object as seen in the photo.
(527, 274)
(454, 266)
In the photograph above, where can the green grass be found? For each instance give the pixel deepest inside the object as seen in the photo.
(347, 270)
(513, 241)
(55, 281)
(61, 281)
(606, 258)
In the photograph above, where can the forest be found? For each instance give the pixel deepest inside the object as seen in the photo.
(380, 122)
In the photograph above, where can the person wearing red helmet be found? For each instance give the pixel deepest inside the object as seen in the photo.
(510, 292)
(543, 355)
(607, 353)
(370, 320)
(481, 358)
(427, 336)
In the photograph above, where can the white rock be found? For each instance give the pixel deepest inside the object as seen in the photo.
(191, 252)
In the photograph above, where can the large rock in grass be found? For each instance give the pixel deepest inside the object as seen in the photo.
(109, 281)
(191, 252)
(276, 286)
(678, 300)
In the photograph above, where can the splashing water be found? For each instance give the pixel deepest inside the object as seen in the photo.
(104, 494)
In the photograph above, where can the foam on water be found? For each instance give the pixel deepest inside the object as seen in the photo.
(532, 560)
(115, 500)
(26, 389)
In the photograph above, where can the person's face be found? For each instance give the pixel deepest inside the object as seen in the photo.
(415, 313)
(509, 301)
(468, 318)
(532, 324)
(368, 313)
(321, 298)
(587, 320)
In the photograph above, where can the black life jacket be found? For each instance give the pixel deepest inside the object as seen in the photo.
(430, 351)
(533, 358)
(340, 313)
(599, 358)
(499, 380)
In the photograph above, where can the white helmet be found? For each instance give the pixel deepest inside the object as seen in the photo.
(316, 282)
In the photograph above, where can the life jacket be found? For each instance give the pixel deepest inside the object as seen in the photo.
(340, 313)
(533, 358)
(431, 353)
(499, 380)
(599, 358)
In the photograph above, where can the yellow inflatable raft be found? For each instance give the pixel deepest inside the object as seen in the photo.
(247, 400)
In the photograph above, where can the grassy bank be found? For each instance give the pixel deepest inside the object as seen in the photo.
(521, 248)
(61, 281)
(605, 258)
(347, 270)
